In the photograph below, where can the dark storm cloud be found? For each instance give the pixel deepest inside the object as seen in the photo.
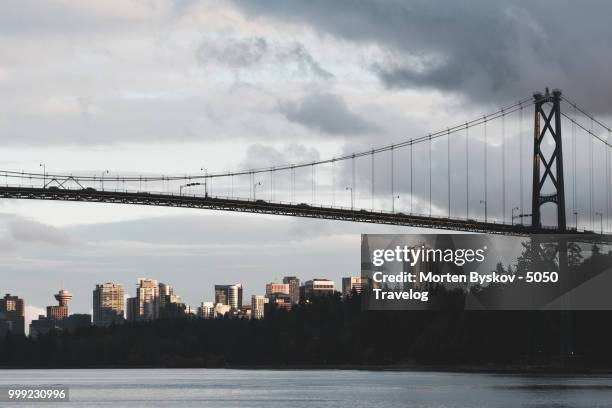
(489, 51)
(326, 113)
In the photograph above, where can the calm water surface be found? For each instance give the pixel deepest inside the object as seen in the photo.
(313, 388)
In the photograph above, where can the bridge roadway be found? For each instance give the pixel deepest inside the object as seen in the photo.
(278, 208)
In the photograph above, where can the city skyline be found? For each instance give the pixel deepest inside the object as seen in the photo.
(106, 296)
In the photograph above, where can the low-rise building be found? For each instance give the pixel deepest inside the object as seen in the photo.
(354, 283)
(274, 287)
(316, 287)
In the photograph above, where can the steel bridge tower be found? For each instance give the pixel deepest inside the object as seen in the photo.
(548, 124)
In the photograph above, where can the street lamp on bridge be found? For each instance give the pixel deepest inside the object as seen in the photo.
(600, 221)
(255, 189)
(102, 179)
(395, 197)
(44, 166)
(518, 216)
(352, 196)
(205, 180)
(575, 212)
(485, 206)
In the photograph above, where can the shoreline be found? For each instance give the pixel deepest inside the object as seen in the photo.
(510, 370)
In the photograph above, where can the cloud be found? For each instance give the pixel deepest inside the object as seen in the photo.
(241, 53)
(489, 51)
(305, 61)
(27, 231)
(68, 17)
(259, 155)
(326, 113)
(236, 53)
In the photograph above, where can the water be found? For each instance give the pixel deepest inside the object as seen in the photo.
(313, 388)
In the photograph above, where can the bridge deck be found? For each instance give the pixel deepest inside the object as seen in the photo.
(275, 208)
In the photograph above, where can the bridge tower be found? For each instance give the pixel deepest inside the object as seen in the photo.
(548, 125)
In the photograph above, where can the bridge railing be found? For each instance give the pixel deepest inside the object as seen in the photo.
(273, 202)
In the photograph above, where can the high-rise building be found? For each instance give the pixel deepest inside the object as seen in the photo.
(206, 310)
(12, 311)
(277, 288)
(294, 288)
(170, 304)
(108, 304)
(60, 311)
(5, 326)
(147, 293)
(257, 306)
(316, 287)
(353, 283)
(165, 291)
(229, 295)
(131, 309)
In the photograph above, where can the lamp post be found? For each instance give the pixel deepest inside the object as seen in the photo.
(600, 222)
(44, 166)
(575, 212)
(395, 197)
(205, 180)
(102, 179)
(352, 196)
(485, 206)
(255, 190)
(518, 216)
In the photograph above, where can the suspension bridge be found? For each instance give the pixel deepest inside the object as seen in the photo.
(503, 172)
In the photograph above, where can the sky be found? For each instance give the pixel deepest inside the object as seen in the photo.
(174, 86)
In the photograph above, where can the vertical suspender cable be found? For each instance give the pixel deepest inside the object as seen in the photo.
(333, 166)
(485, 165)
(591, 176)
(411, 208)
(293, 183)
(448, 166)
(352, 179)
(521, 159)
(430, 174)
(312, 186)
(574, 163)
(392, 180)
(373, 178)
(607, 181)
(467, 172)
(503, 164)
